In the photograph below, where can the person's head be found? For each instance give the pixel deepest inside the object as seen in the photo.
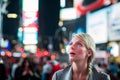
(46, 59)
(82, 47)
(27, 62)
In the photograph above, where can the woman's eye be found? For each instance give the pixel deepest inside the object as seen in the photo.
(79, 44)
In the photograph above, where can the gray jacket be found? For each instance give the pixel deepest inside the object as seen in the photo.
(66, 74)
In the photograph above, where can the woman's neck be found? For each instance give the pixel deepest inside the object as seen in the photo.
(80, 71)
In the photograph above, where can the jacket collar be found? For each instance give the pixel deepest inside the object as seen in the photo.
(67, 74)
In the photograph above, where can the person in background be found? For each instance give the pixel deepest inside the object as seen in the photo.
(81, 52)
(16, 64)
(113, 68)
(47, 68)
(25, 71)
(2, 70)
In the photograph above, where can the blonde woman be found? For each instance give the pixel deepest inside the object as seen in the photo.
(81, 53)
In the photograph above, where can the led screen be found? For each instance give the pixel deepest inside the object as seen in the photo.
(97, 25)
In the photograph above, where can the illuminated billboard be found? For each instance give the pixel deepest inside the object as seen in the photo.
(68, 14)
(97, 24)
(114, 22)
(30, 5)
(84, 9)
(30, 36)
(30, 21)
(30, 24)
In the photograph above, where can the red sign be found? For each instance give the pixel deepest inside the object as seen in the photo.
(82, 10)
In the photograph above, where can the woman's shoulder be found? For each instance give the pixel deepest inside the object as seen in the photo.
(104, 75)
(100, 74)
(63, 70)
(57, 75)
(61, 73)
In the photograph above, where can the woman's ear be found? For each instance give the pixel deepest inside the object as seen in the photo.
(89, 53)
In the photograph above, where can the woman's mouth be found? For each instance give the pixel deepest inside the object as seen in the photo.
(72, 53)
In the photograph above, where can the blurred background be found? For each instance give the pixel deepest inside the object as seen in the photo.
(42, 28)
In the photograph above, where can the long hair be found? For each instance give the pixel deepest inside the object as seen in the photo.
(29, 61)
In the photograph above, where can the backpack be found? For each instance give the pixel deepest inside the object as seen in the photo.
(55, 67)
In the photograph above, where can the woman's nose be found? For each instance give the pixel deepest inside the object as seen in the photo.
(72, 46)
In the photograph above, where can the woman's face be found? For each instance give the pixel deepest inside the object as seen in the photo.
(78, 50)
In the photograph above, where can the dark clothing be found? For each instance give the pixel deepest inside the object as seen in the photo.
(2, 72)
(45, 76)
(66, 74)
(19, 75)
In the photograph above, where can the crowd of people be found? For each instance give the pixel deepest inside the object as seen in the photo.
(28, 68)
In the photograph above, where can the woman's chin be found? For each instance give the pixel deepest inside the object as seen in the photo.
(72, 58)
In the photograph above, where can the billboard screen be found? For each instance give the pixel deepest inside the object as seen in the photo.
(97, 25)
(114, 22)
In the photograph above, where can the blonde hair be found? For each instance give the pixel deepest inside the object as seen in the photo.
(89, 43)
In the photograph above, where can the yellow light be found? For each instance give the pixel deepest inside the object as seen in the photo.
(12, 15)
(60, 23)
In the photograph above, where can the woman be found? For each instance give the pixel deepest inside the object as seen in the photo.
(81, 53)
(25, 71)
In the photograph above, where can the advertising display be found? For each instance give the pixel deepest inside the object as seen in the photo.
(82, 10)
(31, 5)
(30, 48)
(30, 36)
(114, 23)
(96, 25)
(30, 18)
(68, 14)
(30, 25)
